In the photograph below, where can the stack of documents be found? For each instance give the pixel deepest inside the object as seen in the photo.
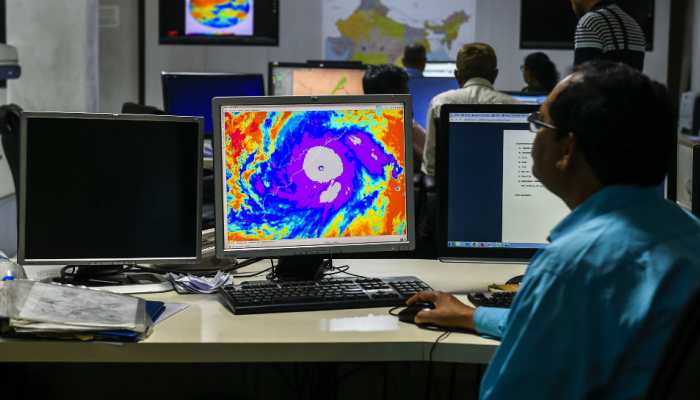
(199, 284)
(34, 309)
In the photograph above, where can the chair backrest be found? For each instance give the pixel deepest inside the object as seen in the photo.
(677, 375)
(135, 108)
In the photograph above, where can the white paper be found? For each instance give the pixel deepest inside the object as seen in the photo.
(61, 304)
(530, 211)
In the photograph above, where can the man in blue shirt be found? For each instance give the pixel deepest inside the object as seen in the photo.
(598, 304)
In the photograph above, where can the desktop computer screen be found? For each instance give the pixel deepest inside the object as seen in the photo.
(437, 69)
(313, 175)
(190, 94)
(423, 90)
(491, 206)
(314, 79)
(109, 189)
(528, 98)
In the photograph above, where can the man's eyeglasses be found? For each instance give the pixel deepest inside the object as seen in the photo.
(536, 123)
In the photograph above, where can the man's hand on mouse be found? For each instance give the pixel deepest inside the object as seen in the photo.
(449, 312)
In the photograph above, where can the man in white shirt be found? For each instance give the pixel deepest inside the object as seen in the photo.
(476, 72)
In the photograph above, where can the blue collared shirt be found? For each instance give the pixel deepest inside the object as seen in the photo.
(598, 304)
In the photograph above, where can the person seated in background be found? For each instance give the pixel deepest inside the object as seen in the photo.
(414, 60)
(598, 304)
(477, 69)
(391, 79)
(539, 73)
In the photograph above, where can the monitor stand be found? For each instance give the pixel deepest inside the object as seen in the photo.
(115, 279)
(300, 268)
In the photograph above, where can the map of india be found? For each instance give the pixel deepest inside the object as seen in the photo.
(376, 31)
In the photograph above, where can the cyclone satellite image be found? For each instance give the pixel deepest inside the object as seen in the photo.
(309, 173)
(376, 31)
(219, 17)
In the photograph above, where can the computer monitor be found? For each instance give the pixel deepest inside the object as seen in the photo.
(321, 176)
(528, 98)
(190, 94)
(437, 69)
(315, 79)
(423, 90)
(106, 189)
(491, 206)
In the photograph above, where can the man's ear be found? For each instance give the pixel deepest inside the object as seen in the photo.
(567, 148)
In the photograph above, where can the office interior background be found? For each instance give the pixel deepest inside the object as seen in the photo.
(85, 56)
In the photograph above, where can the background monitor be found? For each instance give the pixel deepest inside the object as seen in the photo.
(528, 98)
(190, 94)
(491, 206)
(109, 189)
(423, 90)
(553, 26)
(313, 175)
(445, 69)
(236, 22)
(315, 79)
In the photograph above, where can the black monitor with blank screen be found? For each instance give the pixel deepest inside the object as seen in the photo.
(190, 94)
(423, 90)
(104, 189)
(491, 206)
(315, 79)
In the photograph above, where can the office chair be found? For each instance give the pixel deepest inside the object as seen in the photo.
(676, 375)
(136, 108)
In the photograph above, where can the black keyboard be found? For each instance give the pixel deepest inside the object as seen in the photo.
(257, 297)
(491, 299)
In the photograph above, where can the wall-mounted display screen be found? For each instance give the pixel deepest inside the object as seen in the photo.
(235, 22)
(553, 26)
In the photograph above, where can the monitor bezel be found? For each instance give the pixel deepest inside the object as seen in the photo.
(334, 249)
(442, 162)
(313, 64)
(22, 211)
(165, 75)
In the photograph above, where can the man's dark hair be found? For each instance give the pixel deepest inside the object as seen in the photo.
(622, 122)
(477, 60)
(543, 70)
(414, 56)
(385, 79)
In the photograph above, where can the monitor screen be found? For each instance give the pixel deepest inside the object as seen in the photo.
(491, 204)
(190, 94)
(310, 175)
(106, 189)
(528, 98)
(236, 22)
(287, 79)
(423, 90)
(553, 26)
(440, 69)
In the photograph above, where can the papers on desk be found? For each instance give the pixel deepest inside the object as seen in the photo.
(185, 284)
(35, 309)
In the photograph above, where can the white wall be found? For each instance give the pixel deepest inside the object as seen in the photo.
(118, 54)
(57, 45)
(497, 23)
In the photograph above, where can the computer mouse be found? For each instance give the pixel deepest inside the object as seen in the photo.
(408, 314)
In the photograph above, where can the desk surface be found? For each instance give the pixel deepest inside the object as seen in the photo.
(206, 332)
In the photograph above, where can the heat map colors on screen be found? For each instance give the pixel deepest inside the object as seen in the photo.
(310, 173)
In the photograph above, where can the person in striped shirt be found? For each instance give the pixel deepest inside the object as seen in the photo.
(605, 31)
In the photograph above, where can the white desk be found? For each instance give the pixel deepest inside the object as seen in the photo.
(208, 333)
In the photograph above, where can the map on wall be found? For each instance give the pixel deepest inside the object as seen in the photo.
(376, 31)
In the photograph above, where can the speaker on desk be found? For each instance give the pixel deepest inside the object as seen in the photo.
(688, 186)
